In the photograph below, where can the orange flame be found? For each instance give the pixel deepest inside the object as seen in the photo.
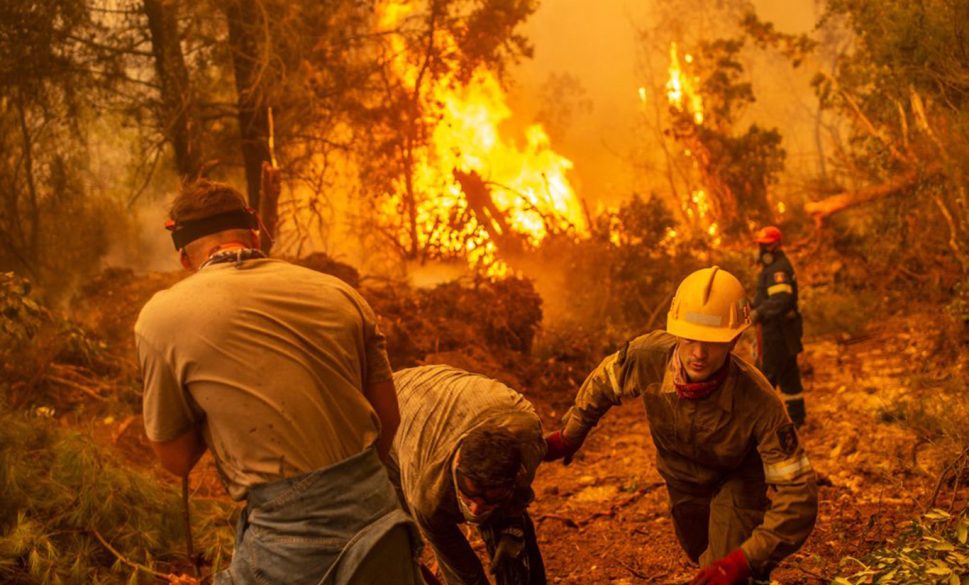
(528, 182)
(681, 90)
(701, 203)
(683, 94)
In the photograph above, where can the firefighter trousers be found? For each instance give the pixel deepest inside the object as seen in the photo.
(781, 370)
(711, 523)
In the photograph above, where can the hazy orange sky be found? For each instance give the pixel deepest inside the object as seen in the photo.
(597, 44)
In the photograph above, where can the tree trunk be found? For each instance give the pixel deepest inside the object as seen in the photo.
(248, 35)
(831, 205)
(723, 201)
(176, 100)
(32, 241)
(269, 206)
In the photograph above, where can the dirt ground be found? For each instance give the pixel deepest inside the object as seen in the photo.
(604, 519)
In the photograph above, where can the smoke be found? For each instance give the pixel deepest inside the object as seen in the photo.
(584, 85)
(147, 247)
(597, 50)
(431, 274)
(606, 61)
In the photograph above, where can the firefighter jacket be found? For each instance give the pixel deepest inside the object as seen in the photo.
(742, 428)
(439, 405)
(776, 303)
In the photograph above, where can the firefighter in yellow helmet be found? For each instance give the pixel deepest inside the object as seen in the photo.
(722, 435)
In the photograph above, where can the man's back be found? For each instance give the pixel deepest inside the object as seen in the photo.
(438, 406)
(274, 356)
(442, 410)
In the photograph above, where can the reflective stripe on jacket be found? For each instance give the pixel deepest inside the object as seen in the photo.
(776, 302)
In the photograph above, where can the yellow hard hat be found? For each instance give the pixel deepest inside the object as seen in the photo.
(709, 305)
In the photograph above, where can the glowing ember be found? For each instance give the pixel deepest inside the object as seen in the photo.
(681, 90)
(525, 193)
(701, 203)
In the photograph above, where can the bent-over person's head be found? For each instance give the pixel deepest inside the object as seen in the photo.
(487, 468)
(206, 215)
(707, 315)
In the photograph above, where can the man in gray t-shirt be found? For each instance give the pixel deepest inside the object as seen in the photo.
(282, 373)
(466, 451)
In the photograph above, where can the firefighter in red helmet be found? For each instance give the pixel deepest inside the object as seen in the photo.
(778, 321)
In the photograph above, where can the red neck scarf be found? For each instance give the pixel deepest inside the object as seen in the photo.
(697, 390)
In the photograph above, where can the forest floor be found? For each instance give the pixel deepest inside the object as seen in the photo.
(604, 518)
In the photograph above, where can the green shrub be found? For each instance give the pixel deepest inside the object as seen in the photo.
(60, 492)
(935, 410)
(829, 311)
(21, 316)
(934, 551)
(37, 344)
(622, 278)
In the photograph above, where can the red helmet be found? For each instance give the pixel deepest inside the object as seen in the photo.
(769, 235)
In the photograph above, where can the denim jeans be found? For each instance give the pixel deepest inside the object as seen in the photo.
(330, 526)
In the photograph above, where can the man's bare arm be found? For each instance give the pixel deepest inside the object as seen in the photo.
(383, 398)
(180, 455)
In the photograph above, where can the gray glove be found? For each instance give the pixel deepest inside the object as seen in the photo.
(754, 316)
(510, 547)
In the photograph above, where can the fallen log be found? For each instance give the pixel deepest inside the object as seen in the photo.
(836, 203)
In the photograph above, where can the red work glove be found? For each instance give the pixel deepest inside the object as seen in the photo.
(559, 448)
(732, 569)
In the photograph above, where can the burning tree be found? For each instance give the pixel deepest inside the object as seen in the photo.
(446, 179)
(732, 171)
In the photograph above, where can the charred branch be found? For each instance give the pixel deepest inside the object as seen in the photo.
(487, 213)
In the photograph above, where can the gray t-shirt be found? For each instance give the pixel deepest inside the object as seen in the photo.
(272, 359)
(439, 405)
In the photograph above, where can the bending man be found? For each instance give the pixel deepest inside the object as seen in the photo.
(466, 451)
(281, 372)
(722, 435)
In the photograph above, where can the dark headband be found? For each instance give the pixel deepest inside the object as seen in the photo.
(185, 232)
